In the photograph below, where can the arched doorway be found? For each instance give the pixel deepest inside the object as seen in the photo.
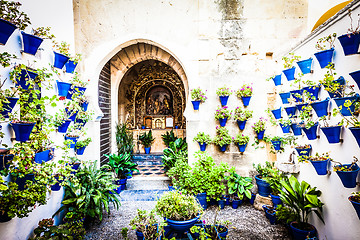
(128, 77)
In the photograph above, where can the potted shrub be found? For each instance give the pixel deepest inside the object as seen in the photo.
(177, 150)
(241, 116)
(203, 139)
(82, 118)
(347, 173)
(222, 138)
(224, 93)
(285, 125)
(146, 225)
(146, 140)
(61, 121)
(78, 87)
(303, 150)
(168, 137)
(223, 114)
(308, 125)
(23, 76)
(276, 143)
(241, 141)
(320, 162)
(261, 179)
(124, 138)
(245, 93)
(335, 87)
(350, 41)
(11, 18)
(72, 136)
(355, 201)
(325, 46)
(7, 100)
(81, 145)
(302, 199)
(274, 179)
(197, 96)
(289, 65)
(238, 187)
(71, 64)
(32, 42)
(259, 128)
(61, 54)
(179, 210)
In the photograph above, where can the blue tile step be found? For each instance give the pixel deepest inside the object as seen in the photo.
(148, 159)
(141, 195)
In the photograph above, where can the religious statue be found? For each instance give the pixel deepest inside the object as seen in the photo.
(159, 101)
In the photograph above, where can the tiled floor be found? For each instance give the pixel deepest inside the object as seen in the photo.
(150, 171)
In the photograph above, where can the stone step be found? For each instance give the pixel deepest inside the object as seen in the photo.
(148, 183)
(148, 159)
(141, 195)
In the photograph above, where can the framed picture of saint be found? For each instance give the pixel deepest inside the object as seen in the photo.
(159, 101)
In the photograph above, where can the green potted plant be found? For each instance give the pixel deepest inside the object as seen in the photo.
(197, 96)
(289, 62)
(222, 138)
(78, 86)
(347, 172)
(203, 139)
(320, 162)
(223, 114)
(245, 93)
(241, 141)
(81, 145)
(176, 150)
(241, 116)
(146, 140)
(325, 46)
(355, 201)
(61, 121)
(146, 225)
(264, 188)
(259, 128)
(304, 200)
(238, 187)
(124, 139)
(168, 137)
(224, 93)
(61, 54)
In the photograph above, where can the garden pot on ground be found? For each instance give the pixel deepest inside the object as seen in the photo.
(6, 29)
(221, 204)
(356, 134)
(350, 43)
(276, 113)
(224, 100)
(202, 146)
(289, 73)
(313, 91)
(263, 187)
(241, 124)
(271, 215)
(236, 203)
(276, 145)
(223, 122)
(324, 57)
(303, 151)
(356, 76)
(223, 147)
(70, 66)
(242, 147)
(73, 141)
(60, 60)
(277, 80)
(196, 104)
(8, 107)
(117, 190)
(300, 234)
(285, 128)
(296, 129)
(31, 43)
(139, 235)
(121, 183)
(276, 200)
(147, 150)
(290, 111)
(348, 178)
(332, 133)
(63, 127)
(246, 101)
(356, 205)
(41, 157)
(63, 88)
(24, 77)
(284, 97)
(181, 226)
(252, 199)
(22, 130)
(5, 159)
(201, 197)
(305, 65)
(80, 151)
(3, 216)
(320, 166)
(295, 95)
(321, 107)
(311, 133)
(344, 110)
(260, 135)
(227, 200)
(341, 81)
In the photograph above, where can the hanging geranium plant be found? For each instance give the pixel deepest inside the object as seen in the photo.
(245, 91)
(222, 113)
(198, 95)
(224, 91)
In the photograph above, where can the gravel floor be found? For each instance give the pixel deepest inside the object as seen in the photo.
(247, 222)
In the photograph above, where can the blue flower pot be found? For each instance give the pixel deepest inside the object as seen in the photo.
(73, 116)
(75, 89)
(276, 113)
(31, 43)
(311, 133)
(356, 205)
(8, 107)
(25, 76)
(22, 130)
(56, 186)
(75, 166)
(171, 188)
(80, 151)
(241, 124)
(332, 133)
(350, 43)
(284, 97)
(227, 200)
(80, 123)
(139, 235)
(5, 160)
(41, 157)
(84, 106)
(277, 80)
(276, 200)
(202, 146)
(289, 73)
(196, 104)
(295, 95)
(356, 134)
(252, 199)
(201, 197)
(300, 234)
(73, 139)
(271, 215)
(21, 182)
(296, 129)
(305, 65)
(348, 178)
(116, 190)
(347, 111)
(223, 147)
(290, 111)
(60, 60)
(63, 88)
(222, 122)
(246, 101)
(285, 129)
(320, 166)
(7, 28)
(356, 76)
(242, 147)
(181, 226)
(63, 127)
(321, 107)
(263, 187)
(221, 204)
(224, 100)
(70, 66)
(147, 150)
(324, 57)
(260, 135)
(313, 91)
(304, 151)
(236, 203)
(301, 107)
(276, 145)
(341, 81)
